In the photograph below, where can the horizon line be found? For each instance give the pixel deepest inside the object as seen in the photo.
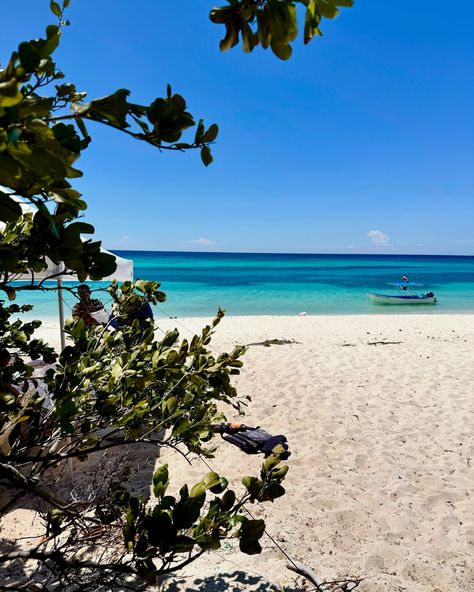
(288, 253)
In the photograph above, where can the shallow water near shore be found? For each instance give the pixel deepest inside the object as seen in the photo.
(286, 284)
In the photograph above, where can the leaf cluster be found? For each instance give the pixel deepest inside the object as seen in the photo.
(43, 132)
(272, 23)
(191, 523)
(37, 238)
(17, 342)
(141, 390)
(126, 380)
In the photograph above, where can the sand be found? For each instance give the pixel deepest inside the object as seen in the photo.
(379, 414)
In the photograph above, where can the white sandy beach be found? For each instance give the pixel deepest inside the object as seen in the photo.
(382, 468)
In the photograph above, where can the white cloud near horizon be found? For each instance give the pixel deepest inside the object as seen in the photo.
(201, 242)
(378, 238)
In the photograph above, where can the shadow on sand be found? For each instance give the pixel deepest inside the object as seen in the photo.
(237, 581)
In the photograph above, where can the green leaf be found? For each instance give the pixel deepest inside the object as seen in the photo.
(209, 480)
(254, 486)
(188, 510)
(55, 8)
(228, 500)
(271, 492)
(231, 38)
(10, 210)
(160, 528)
(279, 473)
(211, 133)
(9, 93)
(206, 155)
(199, 132)
(327, 10)
(113, 108)
(182, 544)
(250, 533)
(10, 260)
(160, 481)
(29, 56)
(170, 338)
(281, 50)
(207, 541)
(220, 487)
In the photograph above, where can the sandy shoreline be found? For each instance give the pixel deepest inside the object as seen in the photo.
(381, 473)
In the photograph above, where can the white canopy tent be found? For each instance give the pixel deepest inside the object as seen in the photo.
(54, 272)
(123, 273)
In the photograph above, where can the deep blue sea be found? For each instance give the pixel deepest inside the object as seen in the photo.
(287, 284)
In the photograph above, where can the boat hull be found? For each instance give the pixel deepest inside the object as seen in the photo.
(399, 299)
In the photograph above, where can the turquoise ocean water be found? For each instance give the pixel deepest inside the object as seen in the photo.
(287, 284)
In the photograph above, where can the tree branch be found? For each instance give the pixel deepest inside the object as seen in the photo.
(135, 135)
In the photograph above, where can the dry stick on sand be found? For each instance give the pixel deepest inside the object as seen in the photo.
(320, 585)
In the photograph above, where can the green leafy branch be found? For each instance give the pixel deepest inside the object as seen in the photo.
(272, 23)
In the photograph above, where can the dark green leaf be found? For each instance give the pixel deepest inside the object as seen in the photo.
(182, 544)
(160, 481)
(9, 93)
(187, 511)
(206, 155)
(29, 56)
(271, 492)
(254, 486)
(55, 8)
(220, 487)
(281, 50)
(231, 38)
(211, 133)
(10, 210)
(207, 541)
(228, 500)
(327, 10)
(209, 480)
(250, 533)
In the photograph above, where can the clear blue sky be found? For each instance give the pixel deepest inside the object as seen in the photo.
(362, 142)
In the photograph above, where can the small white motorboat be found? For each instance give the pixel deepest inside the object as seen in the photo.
(407, 294)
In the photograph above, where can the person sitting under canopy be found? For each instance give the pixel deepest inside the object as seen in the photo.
(87, 307)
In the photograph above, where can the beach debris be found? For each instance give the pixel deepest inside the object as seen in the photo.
(305, 572)
(320, 585)
(269, 342)
(384, 342)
